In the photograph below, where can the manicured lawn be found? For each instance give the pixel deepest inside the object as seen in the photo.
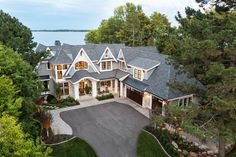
(148, 147)
(74, 148)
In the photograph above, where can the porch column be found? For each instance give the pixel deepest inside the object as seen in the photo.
(150, 102)
(76, 91)
(116, 86)
(94, 88)
(125, 94)
(121, 89)
(163, 108)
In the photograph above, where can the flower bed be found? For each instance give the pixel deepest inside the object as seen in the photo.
(104, 97)
(54, 104)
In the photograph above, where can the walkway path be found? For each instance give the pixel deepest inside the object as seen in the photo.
(60, 127)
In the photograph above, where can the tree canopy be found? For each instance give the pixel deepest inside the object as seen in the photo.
(26, 85)
(14, 142)
(131, 26)
(17, 36)
(204, 48)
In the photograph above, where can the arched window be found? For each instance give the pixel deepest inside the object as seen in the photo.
(81, 65)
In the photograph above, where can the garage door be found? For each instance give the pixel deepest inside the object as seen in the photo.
(135, 95)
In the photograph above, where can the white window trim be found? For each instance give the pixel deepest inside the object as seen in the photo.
(182, 101)
(91, 63)
(125, 65)
(81, 69)
(142, 74)
(106, 69)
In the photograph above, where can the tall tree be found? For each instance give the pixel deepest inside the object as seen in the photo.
(25, 81)
(14, 142)
(130, 25)
(9, 102)
(17, 36)
(205, 49)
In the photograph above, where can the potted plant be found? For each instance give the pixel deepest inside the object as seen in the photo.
(88, 89)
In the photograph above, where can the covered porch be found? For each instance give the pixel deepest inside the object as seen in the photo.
(90, 88)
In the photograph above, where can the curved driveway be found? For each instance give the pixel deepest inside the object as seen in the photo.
(111, 129)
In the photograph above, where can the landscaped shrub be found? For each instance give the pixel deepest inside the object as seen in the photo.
(51, 99)
(69, 101)
(104, 97)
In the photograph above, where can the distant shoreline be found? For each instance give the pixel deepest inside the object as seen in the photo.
(60, 30)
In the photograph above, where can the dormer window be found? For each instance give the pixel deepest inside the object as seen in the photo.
(122, 65)
(81, 65)
(138, 74)
(105, 66)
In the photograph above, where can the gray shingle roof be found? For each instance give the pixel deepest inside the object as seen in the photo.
(40, 48)
(142, 57)
(61, 58)
(135, 83)
(102, 76)
(143, 63)
(79, 75)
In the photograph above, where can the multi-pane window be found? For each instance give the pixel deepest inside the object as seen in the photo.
(137, 74)
(81, 65)
(66, 88)
(106, 65)
(64, 66)
(122, 65)
(185, 101)
(59, 71)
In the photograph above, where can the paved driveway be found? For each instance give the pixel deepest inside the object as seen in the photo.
(111, 129)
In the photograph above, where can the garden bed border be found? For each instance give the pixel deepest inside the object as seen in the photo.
(157, 141)
(54, 144)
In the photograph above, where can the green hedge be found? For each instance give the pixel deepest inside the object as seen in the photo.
(69, 101)
(104, 97)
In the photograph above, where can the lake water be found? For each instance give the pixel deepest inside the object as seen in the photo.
(48, 38)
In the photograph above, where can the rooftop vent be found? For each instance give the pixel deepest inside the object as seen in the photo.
(57, 43)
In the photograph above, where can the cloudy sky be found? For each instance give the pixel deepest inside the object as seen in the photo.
(82, 14)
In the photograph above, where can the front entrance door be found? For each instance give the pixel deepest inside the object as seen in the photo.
(81, 87)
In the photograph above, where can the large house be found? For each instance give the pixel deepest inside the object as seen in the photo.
(138, 73)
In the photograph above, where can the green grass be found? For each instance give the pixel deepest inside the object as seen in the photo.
(74, 148)
(148, 147)
(232, 153)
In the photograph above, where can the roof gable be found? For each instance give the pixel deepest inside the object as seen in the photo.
(107, 54)
(82, 51)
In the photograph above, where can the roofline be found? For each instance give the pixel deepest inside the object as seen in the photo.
(88, 59)
(84, 78)
(143, 68)
(107, 48)
(186, 96)
(124, 77)
(153, 67)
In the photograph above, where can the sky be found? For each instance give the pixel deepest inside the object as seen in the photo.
(83, 14)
